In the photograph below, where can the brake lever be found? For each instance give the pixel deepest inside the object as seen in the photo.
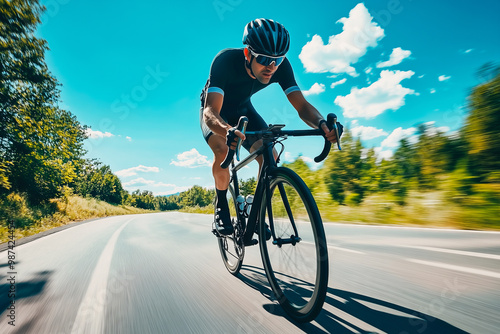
(243, 126)
(336, 128)
(331, 123)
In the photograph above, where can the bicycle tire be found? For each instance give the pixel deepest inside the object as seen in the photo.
(231, 247)
(297, 273)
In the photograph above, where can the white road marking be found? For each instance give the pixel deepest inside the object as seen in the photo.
(345, 250)
(458, 252)
(335, 247)
(90, 315)
(457, 268)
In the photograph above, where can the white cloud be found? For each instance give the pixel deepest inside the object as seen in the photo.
(395, 58)
(95, 134)
(191, 159)
(158, 188)
(359, 33)
(443, 78)
(432, 91)
(433, 130)
(468, 50)
(307, 160)
(133, 171)
(139, 182)
(385, 151)
(384, 94)
(367, 132)
(336, 83)
(315, 89)
(128, 138)
(383, 154)
(289, 158)
(393, 139)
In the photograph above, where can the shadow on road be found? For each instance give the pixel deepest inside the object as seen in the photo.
(385, 316)
(21, 290)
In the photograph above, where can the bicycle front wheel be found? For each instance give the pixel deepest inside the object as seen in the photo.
(231, 247)
(296, 257)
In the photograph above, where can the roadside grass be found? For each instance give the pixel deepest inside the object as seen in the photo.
(434, 209)
(209, 209)
(30, 220)
(422, 209)
(438, 209)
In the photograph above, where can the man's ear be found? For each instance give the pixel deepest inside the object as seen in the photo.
(247, 54)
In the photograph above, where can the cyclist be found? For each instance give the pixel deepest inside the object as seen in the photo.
(235, 75)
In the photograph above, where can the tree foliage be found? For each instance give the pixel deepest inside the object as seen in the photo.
(482, 126)
(41, 145)
(99, 182)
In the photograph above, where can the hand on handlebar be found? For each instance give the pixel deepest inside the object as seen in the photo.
(330, 134)
(232, 137)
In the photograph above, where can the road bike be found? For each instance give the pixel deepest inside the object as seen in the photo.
(295, 255)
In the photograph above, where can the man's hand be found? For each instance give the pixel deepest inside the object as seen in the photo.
(232, 137)
(330, 134)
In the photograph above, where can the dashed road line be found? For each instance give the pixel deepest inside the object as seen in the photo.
(458, 252)
(457, 268)
(345, 250)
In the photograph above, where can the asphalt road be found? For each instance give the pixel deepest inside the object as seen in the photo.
(162, 273)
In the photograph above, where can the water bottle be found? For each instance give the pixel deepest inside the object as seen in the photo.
(240, 202)
(248, 206)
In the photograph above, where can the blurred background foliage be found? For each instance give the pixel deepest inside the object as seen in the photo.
(439, 179)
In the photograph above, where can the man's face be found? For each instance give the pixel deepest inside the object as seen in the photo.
(263, 73)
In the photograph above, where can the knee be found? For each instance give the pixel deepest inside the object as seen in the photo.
(220, 151)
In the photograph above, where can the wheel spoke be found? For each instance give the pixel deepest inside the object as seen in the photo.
(232, 250)
(297, 271)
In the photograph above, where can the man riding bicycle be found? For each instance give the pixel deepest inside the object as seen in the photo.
(235, 75)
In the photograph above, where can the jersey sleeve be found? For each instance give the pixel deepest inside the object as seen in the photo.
(218, 73)
(286, 78)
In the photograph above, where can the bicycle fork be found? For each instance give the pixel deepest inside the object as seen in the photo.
(294, 238)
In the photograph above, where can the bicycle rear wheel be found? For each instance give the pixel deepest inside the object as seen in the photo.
(297, 269)
(231, 247)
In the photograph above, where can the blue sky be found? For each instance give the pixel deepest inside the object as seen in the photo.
(133, 71)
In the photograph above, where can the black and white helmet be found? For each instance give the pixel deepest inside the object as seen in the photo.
(267, 37)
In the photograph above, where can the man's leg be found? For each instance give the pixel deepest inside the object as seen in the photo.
(221, 177)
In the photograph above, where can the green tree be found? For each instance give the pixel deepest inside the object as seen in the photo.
(167, 203)
(144, 200)
(41, 145)
(247, 187)
(482, 128)
(99, 182)
(196, 196)
(343, 171)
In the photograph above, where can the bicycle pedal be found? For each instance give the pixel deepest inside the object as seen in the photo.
(252, 242)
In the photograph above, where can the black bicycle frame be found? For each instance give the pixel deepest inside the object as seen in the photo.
(266, 150)
(269, 137)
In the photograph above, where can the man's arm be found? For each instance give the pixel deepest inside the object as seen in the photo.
(211, 116)
(309, 114)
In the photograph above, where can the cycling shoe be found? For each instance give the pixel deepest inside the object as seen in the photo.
(223, 222)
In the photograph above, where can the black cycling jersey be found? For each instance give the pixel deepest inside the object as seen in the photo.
(228, 76)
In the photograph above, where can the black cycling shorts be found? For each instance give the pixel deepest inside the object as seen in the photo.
(255, 122)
